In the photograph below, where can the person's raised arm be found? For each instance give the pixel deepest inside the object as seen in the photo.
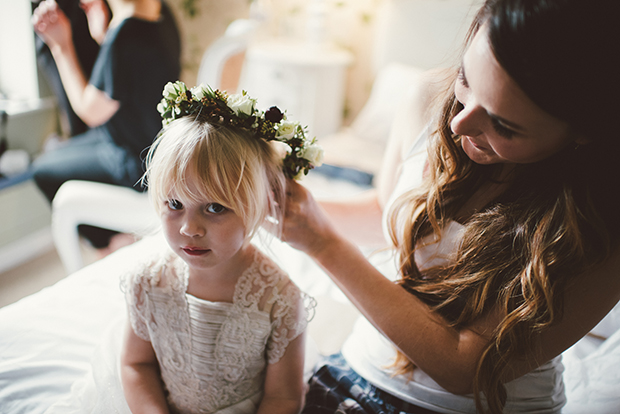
(92, 105)
(140, 376)
(447, 355)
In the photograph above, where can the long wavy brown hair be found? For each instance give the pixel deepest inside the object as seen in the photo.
(519, 253)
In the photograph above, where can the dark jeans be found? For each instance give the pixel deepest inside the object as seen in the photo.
(336, 389)
(90, 157)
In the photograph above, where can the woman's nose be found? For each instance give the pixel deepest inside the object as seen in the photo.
(468, 121)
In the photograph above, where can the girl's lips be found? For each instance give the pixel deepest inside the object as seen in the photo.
(195, 251)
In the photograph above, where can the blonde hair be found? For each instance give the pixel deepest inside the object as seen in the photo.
(235, 170)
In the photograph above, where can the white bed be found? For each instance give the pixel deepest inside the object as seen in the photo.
(47, 338)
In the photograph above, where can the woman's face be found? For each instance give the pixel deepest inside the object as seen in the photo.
(499, 123)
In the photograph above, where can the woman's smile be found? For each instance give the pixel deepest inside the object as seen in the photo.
(477, 146)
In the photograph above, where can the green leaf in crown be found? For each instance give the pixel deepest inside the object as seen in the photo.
(240, 111)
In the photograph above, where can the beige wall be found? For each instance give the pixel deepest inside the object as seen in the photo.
(349, 24)
(424, 33)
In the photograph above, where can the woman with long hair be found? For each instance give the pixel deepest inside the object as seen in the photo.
(504, 222)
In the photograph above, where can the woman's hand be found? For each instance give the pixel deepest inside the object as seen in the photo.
(52, 25)
(98, 17)
(306, 227)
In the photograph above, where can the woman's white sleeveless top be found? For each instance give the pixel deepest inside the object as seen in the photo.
(370, 354)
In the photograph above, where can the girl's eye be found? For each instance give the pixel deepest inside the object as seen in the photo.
(502, 130)
(215, 208)
(175, 204)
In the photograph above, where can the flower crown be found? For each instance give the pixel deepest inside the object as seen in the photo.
(239, 111)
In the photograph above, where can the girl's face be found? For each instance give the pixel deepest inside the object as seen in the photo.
(205, 234)
(499, 123)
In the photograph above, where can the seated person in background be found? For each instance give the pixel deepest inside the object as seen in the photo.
(86, 49)
(139, 54)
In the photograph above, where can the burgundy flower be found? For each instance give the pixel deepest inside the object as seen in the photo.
(273, 114)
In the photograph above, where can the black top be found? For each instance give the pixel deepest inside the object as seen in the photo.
(136, 60)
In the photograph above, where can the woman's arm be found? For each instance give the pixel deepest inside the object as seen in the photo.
(93, 106)
(140, 376)
(284, 384)
(447, 355)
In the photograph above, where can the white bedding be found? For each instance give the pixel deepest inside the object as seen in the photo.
(46, 339)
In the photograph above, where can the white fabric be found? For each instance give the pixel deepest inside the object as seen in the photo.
(369, 353)
(212, 355)
(69, 334)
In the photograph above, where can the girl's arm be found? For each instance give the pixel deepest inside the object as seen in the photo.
(93, 106)
(284, 384)
(140, 376)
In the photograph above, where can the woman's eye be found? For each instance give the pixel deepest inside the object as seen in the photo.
(461, 78)
(501, 129)
(216, 208)
(175, 204)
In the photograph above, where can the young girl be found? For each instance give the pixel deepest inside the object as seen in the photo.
(214, 325)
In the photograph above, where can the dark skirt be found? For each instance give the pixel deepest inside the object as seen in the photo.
(336, 388)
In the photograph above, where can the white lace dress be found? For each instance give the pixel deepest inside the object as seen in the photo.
(212, 355)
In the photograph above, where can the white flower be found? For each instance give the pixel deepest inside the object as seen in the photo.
(170, 92)
(286, 129)
(199, 92)
(241, 104)
(314, 154)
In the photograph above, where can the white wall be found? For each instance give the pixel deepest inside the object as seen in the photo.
(18, 73)
(422, 33)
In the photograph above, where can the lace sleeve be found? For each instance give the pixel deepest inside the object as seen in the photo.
(135, 285)
(290, 314)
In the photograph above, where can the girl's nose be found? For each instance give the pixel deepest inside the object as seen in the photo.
(468, 121)
(192, 228)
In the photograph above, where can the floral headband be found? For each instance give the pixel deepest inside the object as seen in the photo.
(239, 111)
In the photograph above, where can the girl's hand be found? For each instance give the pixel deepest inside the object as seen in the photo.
(306, 226)
(52, 25)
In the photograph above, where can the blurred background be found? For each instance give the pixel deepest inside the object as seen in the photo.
(338, 66)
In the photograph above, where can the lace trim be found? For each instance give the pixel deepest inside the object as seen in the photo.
(240, 347)
(291, 309)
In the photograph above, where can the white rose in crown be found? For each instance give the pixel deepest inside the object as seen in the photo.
(241, 104)
(314, 154)
(170, 92)
(286, 129)
(199, 92)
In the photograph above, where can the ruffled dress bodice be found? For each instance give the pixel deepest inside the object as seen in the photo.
(213, 355)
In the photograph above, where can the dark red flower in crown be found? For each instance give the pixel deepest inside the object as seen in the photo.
(273, 114)
(239, 111)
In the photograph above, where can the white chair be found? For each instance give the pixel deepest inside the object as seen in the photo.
(123, 209)
(221, 63)
(102, 205)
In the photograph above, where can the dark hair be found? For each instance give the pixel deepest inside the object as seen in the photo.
(563, 54)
